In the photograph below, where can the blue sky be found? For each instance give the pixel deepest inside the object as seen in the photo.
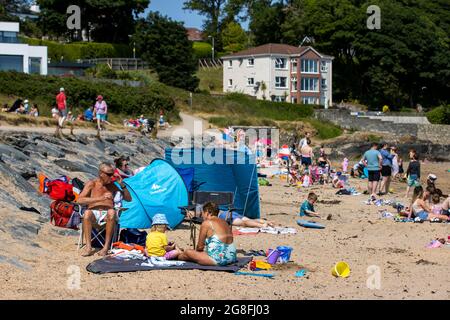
(174, 9)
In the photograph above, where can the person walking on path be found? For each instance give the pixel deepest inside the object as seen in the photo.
(100, 111)
(61, 104)
(386, 168)
(373, 159)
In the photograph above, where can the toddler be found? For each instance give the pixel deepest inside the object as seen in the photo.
(156, 243)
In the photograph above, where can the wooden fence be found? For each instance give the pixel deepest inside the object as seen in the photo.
(210, 63)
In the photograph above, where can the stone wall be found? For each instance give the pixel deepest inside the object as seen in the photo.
(427, 132)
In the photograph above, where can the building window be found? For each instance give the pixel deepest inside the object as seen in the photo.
(251, 82)
(34, 65)
(309, 100)
(294, 65)
(8, 37)
(230, 63)
(11, 63)
(280, 63)
(251, 62)
(323, 66)
(324, 83)
(230, 82)
(309, 66)
(280, 82)
(279, 98)
(294, 82)
(310, 84)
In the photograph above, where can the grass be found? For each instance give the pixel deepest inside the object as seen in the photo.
(211, 80)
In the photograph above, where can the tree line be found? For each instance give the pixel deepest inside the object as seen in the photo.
(403, 63)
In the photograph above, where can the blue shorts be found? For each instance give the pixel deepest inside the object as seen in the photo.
(101, 117)
(423, 215)
(234, 215)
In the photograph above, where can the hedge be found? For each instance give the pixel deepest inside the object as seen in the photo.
(82, 93)
(439, 115)
(202, 50)
(81, 50)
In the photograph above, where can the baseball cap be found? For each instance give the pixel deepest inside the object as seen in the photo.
(100, 98)
(61, 89)
(432, 177)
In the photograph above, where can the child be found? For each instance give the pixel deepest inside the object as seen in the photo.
(436, 208)
(307, 208)
(413, 172)
(156, 243)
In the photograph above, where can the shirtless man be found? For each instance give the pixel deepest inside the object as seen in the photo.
(98, 195)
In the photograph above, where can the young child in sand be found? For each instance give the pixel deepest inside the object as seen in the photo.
(307, 207)
(436, 208)
(156, 243)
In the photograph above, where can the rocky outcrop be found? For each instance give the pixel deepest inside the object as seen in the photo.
(24, 155)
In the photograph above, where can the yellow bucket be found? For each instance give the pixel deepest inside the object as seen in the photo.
(341, 269)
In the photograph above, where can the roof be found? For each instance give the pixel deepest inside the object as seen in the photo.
(195, 34)
(274, 48)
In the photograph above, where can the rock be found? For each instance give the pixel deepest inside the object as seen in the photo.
(76, 167)
(14, 262)
(13, 153)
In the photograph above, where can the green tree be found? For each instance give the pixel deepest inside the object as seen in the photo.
(266, 21)
(233, 38)
(102, 20)
(165, 45)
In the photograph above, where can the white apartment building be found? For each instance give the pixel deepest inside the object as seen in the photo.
(18, 56)
(280, 72)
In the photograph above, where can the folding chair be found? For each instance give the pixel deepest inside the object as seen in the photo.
(202, 197)
(97, 232)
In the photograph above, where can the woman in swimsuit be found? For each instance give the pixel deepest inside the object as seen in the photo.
(420, 208)
(215, 243)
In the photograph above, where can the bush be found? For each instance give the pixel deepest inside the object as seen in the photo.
(81, 50)
(82, 93)
(202, 50)
(325, 130)
(102, 71)
(439, 115)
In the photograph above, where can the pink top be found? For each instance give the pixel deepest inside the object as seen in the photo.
(436, 208)
(101, 107)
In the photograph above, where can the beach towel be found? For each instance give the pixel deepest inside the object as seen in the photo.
(115, 265)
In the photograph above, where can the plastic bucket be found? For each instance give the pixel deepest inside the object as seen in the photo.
(341, 269)
(285, 254)
(272, 256)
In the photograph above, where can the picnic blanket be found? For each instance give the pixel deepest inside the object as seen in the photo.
(116, 265)
(275, 230)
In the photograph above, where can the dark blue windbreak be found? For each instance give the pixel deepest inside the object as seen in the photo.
(222, 170)
(156, 189)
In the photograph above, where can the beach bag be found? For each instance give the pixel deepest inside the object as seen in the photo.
(65, 215)
(133, 236)
(60, 190)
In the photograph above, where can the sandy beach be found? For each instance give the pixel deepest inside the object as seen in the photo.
(356, 234)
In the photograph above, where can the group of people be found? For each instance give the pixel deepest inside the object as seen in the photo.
(22, 107)
(215, 243)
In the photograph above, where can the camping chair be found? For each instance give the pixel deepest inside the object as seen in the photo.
(98, 230)
(202, 197)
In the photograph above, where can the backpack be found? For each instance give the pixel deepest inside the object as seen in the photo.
(60, 190)
(65, 215)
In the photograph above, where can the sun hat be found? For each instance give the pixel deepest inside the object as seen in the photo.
(432, 177)
(159, 218)
(100, 97)
(61, 89)
(26, 101)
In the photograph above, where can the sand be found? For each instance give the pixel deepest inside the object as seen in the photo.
(356, 234)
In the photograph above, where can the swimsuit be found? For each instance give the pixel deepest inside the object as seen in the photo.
(222, 253)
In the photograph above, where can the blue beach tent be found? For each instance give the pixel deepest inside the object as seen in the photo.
(159, 188)
(218, 169)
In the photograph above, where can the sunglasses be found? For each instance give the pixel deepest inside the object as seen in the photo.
(109, 174)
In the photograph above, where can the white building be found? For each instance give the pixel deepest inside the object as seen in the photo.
(280, 72)
(18, 56)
